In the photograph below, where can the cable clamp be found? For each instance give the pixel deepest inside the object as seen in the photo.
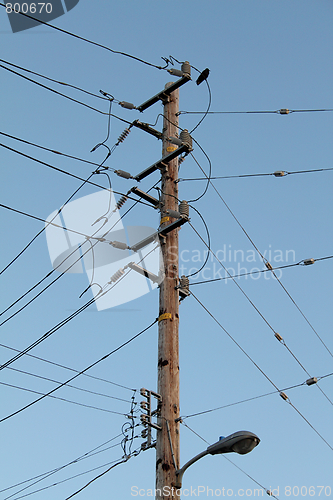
(268, 265)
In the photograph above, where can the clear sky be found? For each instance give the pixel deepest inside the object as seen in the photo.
(262, 56)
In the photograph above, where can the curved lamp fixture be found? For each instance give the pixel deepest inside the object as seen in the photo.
(241, 442)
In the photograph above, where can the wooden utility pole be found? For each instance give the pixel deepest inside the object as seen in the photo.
(167, 444)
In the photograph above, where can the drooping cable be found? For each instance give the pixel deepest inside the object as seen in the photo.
(90, 41)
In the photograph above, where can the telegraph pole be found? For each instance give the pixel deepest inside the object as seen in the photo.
(167, 441)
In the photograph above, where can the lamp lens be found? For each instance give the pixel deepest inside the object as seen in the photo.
(245, 445)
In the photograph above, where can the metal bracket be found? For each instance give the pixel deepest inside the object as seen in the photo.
(164, 93)
(146, 418)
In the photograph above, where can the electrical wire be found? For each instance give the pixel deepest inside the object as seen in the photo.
(263, 258)
(53, 80)
(61, 399)
(85, 181)
(248, 475)
(278, 337)
(278, 111)
(208, 242)
(69, 385)
(90, 41)
(250, 399)
(61, 94)
(80, 372)
(135, 453)
(60, 264)
(68, 368)
(209, 174)
(285, 173)
(259, 271)
(208, 107)
(263, 373)
(52, 150)
(51, 272)
(86, 455)
(63, 480)
(101, 293)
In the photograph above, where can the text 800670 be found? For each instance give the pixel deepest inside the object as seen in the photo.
(33, 8)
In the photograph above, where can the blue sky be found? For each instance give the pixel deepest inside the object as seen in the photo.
(262, 56)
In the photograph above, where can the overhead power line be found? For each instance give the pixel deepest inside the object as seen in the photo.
(45, 475)
(59, 276)
(53, 151)
(99, 96)
(81, 372)
(279, 173)
(69, 385)
(62, 399)
(251, 399)
(91, 41)
(86, 181)
(287, 266)
(265, 261)
(63, 95)
(276, 335)
(100, 475)
(283, 111)
(282, 394)
(68, 368)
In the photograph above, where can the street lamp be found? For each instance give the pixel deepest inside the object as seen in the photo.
(241, 442)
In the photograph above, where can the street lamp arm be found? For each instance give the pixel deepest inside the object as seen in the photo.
(180, 472)
(241, 442)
